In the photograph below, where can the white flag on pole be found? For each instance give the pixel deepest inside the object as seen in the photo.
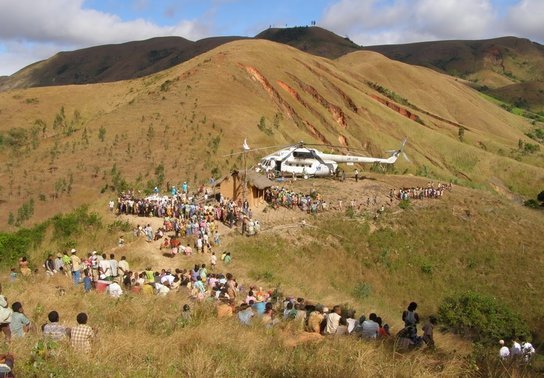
(245, 146)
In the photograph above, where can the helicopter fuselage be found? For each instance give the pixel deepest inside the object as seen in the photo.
(303, 161)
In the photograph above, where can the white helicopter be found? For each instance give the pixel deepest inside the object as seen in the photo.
(301, 160)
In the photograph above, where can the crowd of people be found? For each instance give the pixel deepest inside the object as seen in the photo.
(431, 191)
(204, 282)
(184, 211)
(520, 349)
(280, 196)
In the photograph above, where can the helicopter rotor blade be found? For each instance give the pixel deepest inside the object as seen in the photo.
(258, 149)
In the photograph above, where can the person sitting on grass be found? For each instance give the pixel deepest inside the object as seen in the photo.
(6, 315)
(333, 320)
(245, 314)
(7, 362)
(114, 289)
(428, 329)
(20, 324)
(82, 335)
(370, 328)
(54, 330)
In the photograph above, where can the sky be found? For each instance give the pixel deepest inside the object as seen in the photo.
(32, 30)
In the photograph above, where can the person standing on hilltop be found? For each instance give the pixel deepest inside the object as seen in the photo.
(411, 319)
(114, 267)
(428, 328)
(356, 175)
(76, 267)
(67, 261)
(124, 267)
(23, 267)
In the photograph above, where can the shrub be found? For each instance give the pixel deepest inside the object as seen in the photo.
(119, 225)
(71, 224)
(532, 203)
(362, 290)
(405, 204)
(350, 212)
(481, 318)
(17, 244)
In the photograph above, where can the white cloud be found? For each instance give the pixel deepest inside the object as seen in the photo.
(527, 19)
(452, 19)
(16, 55)
(370, 22)
(36, 25)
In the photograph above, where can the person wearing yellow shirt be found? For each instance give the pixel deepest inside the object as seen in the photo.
(76, 267)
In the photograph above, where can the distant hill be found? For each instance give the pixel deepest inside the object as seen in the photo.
(107, 63)
(501, 67)
(313, 40)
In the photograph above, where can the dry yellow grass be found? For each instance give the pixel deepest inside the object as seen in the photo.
(139, 336)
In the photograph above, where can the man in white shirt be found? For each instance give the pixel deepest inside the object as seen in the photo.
(504, 352)
(515, 350)
(105, 267)
(123, 266)
(161, 290)
(527, 350)
(168, 278)
(114, 266)
(114, 289)
(333, 320)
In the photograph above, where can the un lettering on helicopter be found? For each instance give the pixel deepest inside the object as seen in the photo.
(303, 160)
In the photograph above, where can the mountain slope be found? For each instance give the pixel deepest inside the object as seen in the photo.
(498, 64)
(62, 145)
(513, 59)
(107, 63)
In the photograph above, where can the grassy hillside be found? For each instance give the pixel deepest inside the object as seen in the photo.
(468, 240)
(499, 65)
(61, 146)
(515, 58)
(107, 63)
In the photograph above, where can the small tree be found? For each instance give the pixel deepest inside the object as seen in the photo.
(461, 133)
(540, 198)
(102, 133)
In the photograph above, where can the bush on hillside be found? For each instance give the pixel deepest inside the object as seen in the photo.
(405, 204)
(71, 224)
(535, 203)
(532, 203)
(17, 244)
(481, 318)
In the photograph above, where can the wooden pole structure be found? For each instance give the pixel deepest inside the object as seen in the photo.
(245, 175)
